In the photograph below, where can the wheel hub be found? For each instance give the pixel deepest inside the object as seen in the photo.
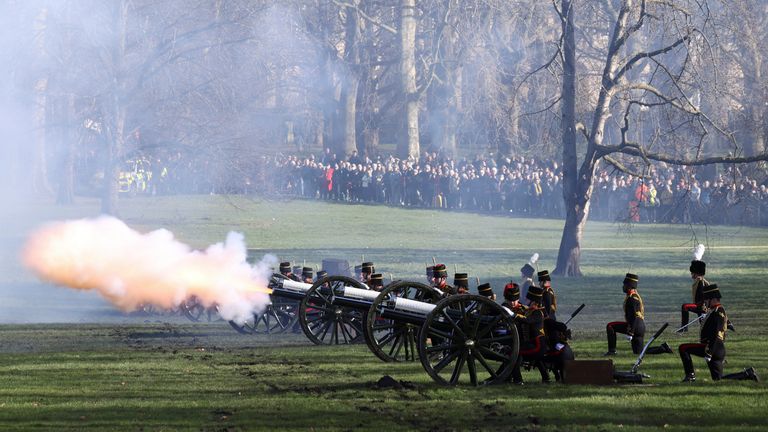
(469, 343)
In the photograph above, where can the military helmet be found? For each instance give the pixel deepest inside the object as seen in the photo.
(512, 292)
(711, 292)
(461, 280)
(630, 282)
(535, 293)
(485, 290)
(544, 276)
(440, 271)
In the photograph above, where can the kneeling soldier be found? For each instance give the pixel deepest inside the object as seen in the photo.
(634, 326)
(711, 344)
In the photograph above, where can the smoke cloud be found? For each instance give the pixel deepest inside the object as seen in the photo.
(131, 269)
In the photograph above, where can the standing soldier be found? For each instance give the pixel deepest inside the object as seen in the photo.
(461, 282)
(634, 324)
(376, 282)
(321, 274)
(485, 290)
(285, 270)
(307, 274)
(431, 275)
(711, 344)
(698, 268)
(512, 298)
(526, 272)
(441, 280)
(533, 343)
(366, 270)
(549, 298)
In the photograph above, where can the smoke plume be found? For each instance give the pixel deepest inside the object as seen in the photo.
(131, 269)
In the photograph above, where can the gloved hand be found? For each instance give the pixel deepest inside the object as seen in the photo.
(629, 338)
(707, 355)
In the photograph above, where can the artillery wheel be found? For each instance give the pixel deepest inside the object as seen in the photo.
(472, 334)
(276, 318)
(325, 323)
(390, 340)
(195, 311)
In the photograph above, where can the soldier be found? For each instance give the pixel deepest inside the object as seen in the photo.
(297, 270)
(526, 272)
(549, 298)
(441, 280)
(533, 342)
(711, 344)
(461, 282)
(485, 290)
(634, 324)
(366, 270)
(321, 274)
(698, 268)
(285, 270)
(431, 275)
(559, 351)
(307, 274)
(512, 298)
(376, 282)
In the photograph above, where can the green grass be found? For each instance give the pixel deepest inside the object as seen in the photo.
(166, 374)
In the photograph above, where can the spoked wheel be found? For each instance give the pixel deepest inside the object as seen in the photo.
(278, 317)
(468, 339)
(325, 323)
(195, 311)
(393, 340)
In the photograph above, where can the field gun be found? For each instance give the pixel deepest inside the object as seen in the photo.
(460, 338)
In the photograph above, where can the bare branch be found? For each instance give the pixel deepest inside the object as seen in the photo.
(365, 16)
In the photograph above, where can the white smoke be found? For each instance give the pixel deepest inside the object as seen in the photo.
(131, 269)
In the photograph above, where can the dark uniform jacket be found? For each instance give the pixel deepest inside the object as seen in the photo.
(634, 314)
(714, 327)
(531, 324)
(550, 302)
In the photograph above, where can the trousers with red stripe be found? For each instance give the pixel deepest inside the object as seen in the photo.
(700, 350)
(533, 352)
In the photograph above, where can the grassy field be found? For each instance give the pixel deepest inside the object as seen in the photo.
(161, 373)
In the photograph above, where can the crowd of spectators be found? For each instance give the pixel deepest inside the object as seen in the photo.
(517, 186)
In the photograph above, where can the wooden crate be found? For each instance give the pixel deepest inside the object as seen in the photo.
(592, 372)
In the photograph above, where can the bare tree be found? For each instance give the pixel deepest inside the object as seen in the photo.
(669, 77)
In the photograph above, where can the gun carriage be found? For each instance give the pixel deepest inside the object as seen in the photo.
(459, 339)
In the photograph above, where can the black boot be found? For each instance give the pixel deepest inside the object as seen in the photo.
(689, 378)
(661, 349)
(746, 374)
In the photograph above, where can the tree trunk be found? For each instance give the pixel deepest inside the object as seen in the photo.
(66, 193)
(350, 83)
(569, 255)
(117, 117)
(755, 142)
(39, 168)
(408, 144)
